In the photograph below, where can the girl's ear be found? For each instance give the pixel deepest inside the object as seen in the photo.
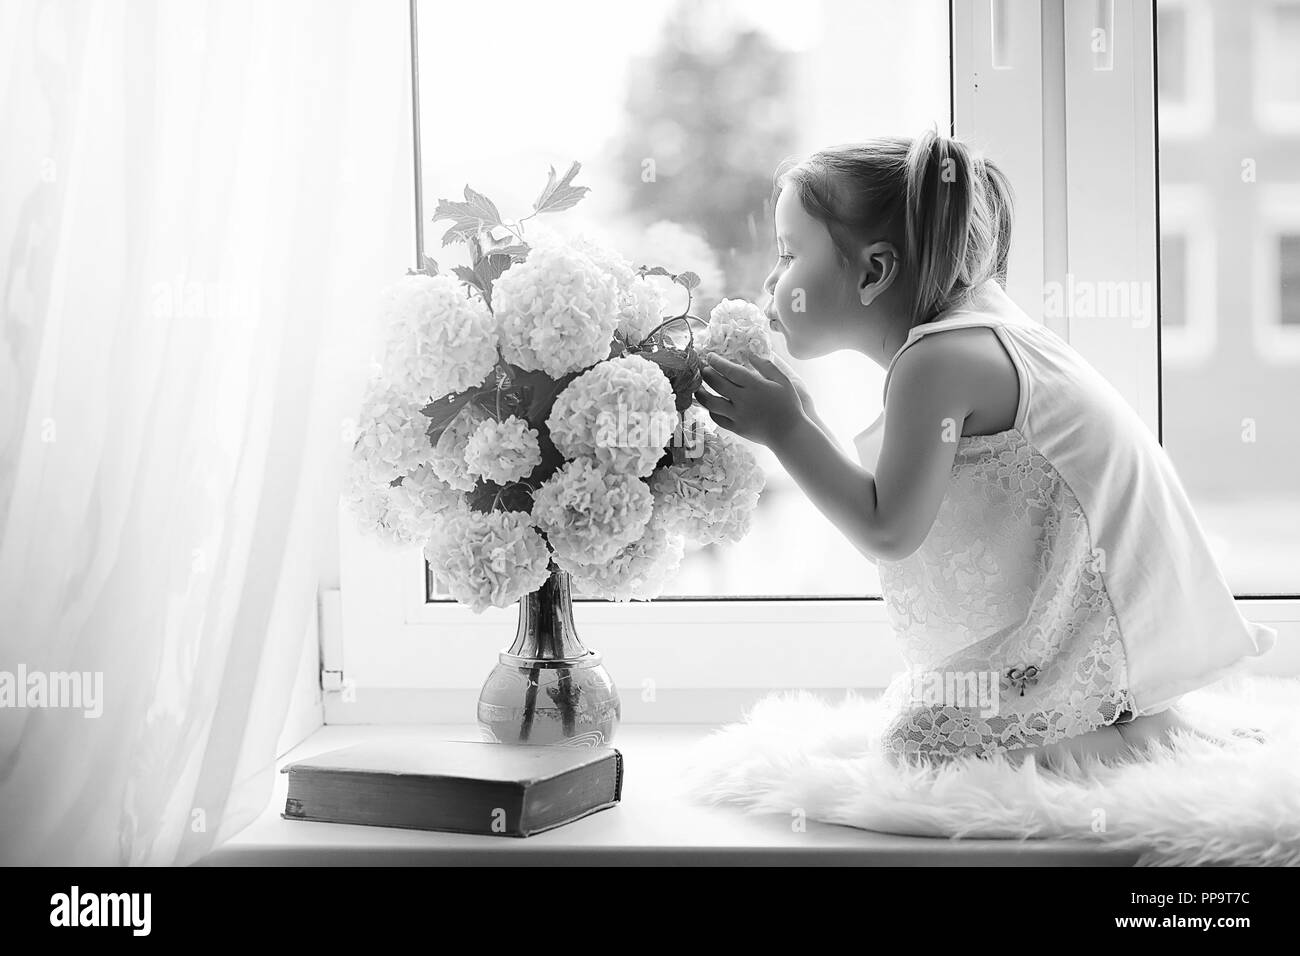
(879, 266)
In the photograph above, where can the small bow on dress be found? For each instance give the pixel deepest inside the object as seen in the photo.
(1023, 676)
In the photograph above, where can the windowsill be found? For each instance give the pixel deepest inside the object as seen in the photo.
(653, 824)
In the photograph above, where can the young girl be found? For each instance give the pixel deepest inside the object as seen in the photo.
(1031, 535)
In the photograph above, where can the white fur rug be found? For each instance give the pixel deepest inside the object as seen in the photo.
(1187, 803)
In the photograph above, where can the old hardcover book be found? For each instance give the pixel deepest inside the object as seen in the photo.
(457, 785)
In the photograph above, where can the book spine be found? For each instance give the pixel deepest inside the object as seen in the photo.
(501, 814)
(532, 825)
(515, 814)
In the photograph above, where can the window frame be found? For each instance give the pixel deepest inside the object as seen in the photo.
(387, 629)
(1094, 199)
(1193, 116)
(1185, 211)
(1277, 213)
(1271, 115)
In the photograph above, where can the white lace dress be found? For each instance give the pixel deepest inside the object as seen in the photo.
(1071, 614)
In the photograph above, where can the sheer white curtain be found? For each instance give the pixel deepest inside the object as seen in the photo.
(199, 202)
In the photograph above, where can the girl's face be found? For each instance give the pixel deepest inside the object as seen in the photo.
(814, 300)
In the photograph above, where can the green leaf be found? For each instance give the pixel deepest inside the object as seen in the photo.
(551, 461)
(688, 279)
(430, 266)
(475, 242)
(486, 271)
(517, 251)
(476, 200)
(489, 496)
(682, 367)
(459, 232)
(489, 269)
(525, 394)
(502, 401)
(538, 391)
(560, 194)
(466, 274)
(653, 271)
(442, 412)
(469, 218)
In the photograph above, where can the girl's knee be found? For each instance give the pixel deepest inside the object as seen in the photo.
(1105, 744)
(1162, 728)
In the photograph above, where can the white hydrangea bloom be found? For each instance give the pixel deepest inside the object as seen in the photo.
(488, 559)
(374, 506)
(422, 500)
(391, 434)
(606, 257)
(643, 311)
(448, 458)
(589, 513)
(502, 451)
(402, 514)
(711, 497)
(641, 304)
(440, 339)
(621, 412)
(556, 311)
(639, 571)
(737, 330)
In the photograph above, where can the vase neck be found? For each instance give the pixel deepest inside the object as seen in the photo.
(546, 629)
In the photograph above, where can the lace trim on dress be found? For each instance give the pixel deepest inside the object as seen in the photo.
(1006, 582)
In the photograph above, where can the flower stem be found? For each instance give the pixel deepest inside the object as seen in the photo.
(530, 703)
(685, 316)
(567, 694)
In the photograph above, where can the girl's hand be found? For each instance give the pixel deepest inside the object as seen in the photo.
(761, 403)
(800, 389)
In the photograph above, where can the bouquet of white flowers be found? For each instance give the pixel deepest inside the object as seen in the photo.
(534, 412)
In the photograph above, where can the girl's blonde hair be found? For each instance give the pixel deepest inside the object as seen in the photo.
(953, 207)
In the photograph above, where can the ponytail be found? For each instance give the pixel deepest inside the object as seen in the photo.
(950, 207)
(957, 223)
(1001, 201)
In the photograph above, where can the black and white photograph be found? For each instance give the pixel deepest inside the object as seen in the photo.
(650, 433)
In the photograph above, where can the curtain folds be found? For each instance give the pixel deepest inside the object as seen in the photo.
(199, 202)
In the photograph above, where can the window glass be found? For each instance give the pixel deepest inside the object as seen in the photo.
(1173, 280)
(710, 96)
(1289, 279)
(1228, 417)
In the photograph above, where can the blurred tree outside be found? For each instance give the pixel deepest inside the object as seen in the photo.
(710, 113)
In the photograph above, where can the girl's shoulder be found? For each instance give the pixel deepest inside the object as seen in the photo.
(976, 352)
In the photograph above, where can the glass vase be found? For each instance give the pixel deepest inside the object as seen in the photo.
(548, 688)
